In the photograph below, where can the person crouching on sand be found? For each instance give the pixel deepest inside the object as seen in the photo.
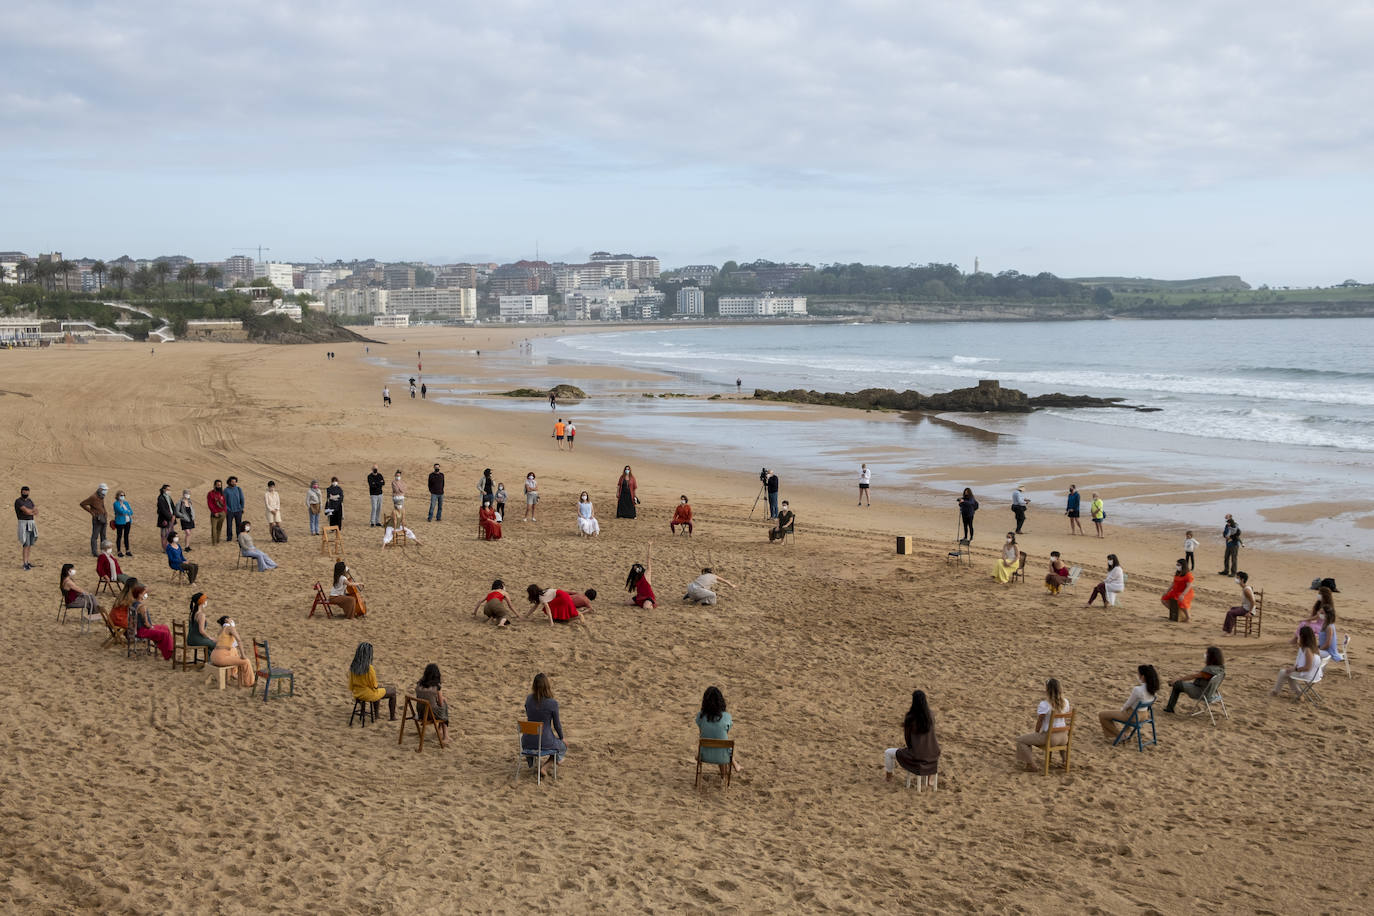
(496, 605)
(554, 603)
(638, 585)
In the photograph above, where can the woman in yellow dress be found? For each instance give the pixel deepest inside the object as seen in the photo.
(1010, 560)
(362, 680)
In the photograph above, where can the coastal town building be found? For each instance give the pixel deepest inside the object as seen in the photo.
(9, 264)
(399, 276)
(371, 300)
(761, 306)
(391, 321)
(456, 276)
(318, 279)
(278, 274)
(434, 304)
(691, 301)
(701, 274)
(238, 268)
(518, 307)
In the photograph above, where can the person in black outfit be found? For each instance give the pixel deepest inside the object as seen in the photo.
(772, 495)
(166, 513)
(1231, 535)
(375, 484)
(333, 502)
(436, 495)
(967, 506)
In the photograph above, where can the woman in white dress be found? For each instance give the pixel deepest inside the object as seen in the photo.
(587, 525)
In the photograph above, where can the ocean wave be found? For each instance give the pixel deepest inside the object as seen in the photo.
(1232, 425)
(1301, 372)
(973, 360)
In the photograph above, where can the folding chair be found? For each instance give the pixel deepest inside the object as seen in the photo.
(1345, 655)
(116, 636)
(1211, 695)
(1135, 725)
(1307, 690)
(1254, 619)
(179, 577)
(321, 601)
(180, 649)
(1067, 747)
(242, 559)
(717, 743)
(961, 555)
(62, 608)
(533, 758)
(417, 710)
(106, 586)
(262, 658)
(1074, 573)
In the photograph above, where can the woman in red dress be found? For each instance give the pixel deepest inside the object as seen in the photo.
(638, 585)
(486, 517)
(554, 603)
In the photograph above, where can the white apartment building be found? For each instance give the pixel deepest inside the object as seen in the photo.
(703, 274)
(318, 279)
(277, 273)
(691, 301)
(439, 304)
(636, 268)
(647, 304)
(370, 300)
(391, 321)
(761, 306)
(516, 307)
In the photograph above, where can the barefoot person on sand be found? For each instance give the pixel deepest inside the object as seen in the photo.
(638, 585)
(1055, 706)
(496, 605)
(1143, 692)
(921, 755)
(713, 722)
(865, 479)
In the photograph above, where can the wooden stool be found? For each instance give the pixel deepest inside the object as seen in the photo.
(215, 671)
(360, 710)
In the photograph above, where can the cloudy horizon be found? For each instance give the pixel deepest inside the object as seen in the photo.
(1174, 140)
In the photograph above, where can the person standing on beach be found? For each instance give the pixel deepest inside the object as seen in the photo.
(572, 433)
(739, 385)
(1098, 512)
(166, 513)
(1190, 549)
(214, 501)
(314, 503)
(486, 491)
(1071, 510)
(967, 506)
(1230, 533)
(94, 505)
(233, 501)
(865, 478)
(333, 503)
(436, 495)
(772, 487)
(28, 528)
(558, 430)
(1019, 503)
(626, 495)
(553, 400)
(375, 484)
(386, 396)
(424, 392)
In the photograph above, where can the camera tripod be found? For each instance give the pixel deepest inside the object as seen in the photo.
(762, 488)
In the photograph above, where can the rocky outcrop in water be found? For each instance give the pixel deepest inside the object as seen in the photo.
(988, 396)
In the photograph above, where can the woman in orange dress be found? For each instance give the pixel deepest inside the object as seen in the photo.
(486, 518)
(1179, 597)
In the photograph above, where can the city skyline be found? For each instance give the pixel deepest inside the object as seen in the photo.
(1076, 139)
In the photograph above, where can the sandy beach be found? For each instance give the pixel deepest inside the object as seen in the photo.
(131, 787)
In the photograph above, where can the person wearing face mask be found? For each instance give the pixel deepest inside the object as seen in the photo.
(1147, 685)
(123, 521)
(375, 484)
(247, 549)
(196, 634)
(177, 560)
(1009, 562)
(215, 502)
(701, 590)
(271, 501)
(682, 515)
(333, 503)
(531, 496)
(186, 516)
(1247, 604)
(1113, 584)
(94, 506)
(166, 513)
(626, 498)
(487, 522)
(587, 525)
(314, 503)
(107, 567)
(229, 652)
(1179, 597)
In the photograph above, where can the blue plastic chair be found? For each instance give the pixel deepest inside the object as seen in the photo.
(262, 656)
(1135, 723)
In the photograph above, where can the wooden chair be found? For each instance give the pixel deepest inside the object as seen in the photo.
(1254, 619)
(533, 758)
(217, 673)
(331, 542)
(117, 636)
(180, 649)
(417, 710)
(321, 601)
(1020, 572)
(1135, 726)
(1067, 747)
(179, 577)
(360, 709)
(262, 658)
(720, 744)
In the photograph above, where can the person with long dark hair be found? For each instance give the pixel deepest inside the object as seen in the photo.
(637, 582)
(1194, 685)
(362, 680)
(540, 706)
(921, 755)
(74, 595)
(230, 652)
(626, 495)
(346, 593)
(1306, 667)
(967, 506)
(714, 722)
(196, 623)
(1112, 584)
(430, 689)
(1143, 692)
(141, 619)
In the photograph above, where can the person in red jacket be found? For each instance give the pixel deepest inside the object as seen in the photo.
(214, 500)
(682, 515)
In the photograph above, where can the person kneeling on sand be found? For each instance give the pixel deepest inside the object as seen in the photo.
(362, 680)
(1052, 712)
(496, 605)
(553, 603)
(1142, 692)
(921, 755)
(700, 591)
(787, 523)
(638, 585)
(714, 723)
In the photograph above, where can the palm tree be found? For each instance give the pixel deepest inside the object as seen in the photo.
(99, 268)
(189, 275)
(43, 272)
(3, 270)
(162, 270)
(24, 270)
(65, 267)
(120, 274)
(213, 275)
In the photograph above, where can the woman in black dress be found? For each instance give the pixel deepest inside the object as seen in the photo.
(625, 498)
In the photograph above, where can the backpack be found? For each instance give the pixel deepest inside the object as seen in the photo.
(278, 534)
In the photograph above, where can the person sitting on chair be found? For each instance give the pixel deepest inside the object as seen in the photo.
(1246, 607)
(496, 605)
(701, 589)
(230, 652)
(714, 723)
(1179, 597)
(195, 625)
(787, 523)
(1142, 692)
(362, 680)
(345, 593)
(431, 691)
(486, 520)
(75, 596)
(1053, 712)
(1009, 562)
(1306, 667)
(682, 515)
(921, 755)
(1195, 685)
(107, 567)
(540, 706)
(246, 549)
(1058, 576)
(1114, 583)
(1328, 644)
(177, 560)
(141, 619)
(587, 524)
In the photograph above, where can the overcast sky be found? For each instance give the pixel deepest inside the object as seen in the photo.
(1168, 139)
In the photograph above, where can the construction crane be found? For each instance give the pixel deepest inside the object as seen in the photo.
(259, 249)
